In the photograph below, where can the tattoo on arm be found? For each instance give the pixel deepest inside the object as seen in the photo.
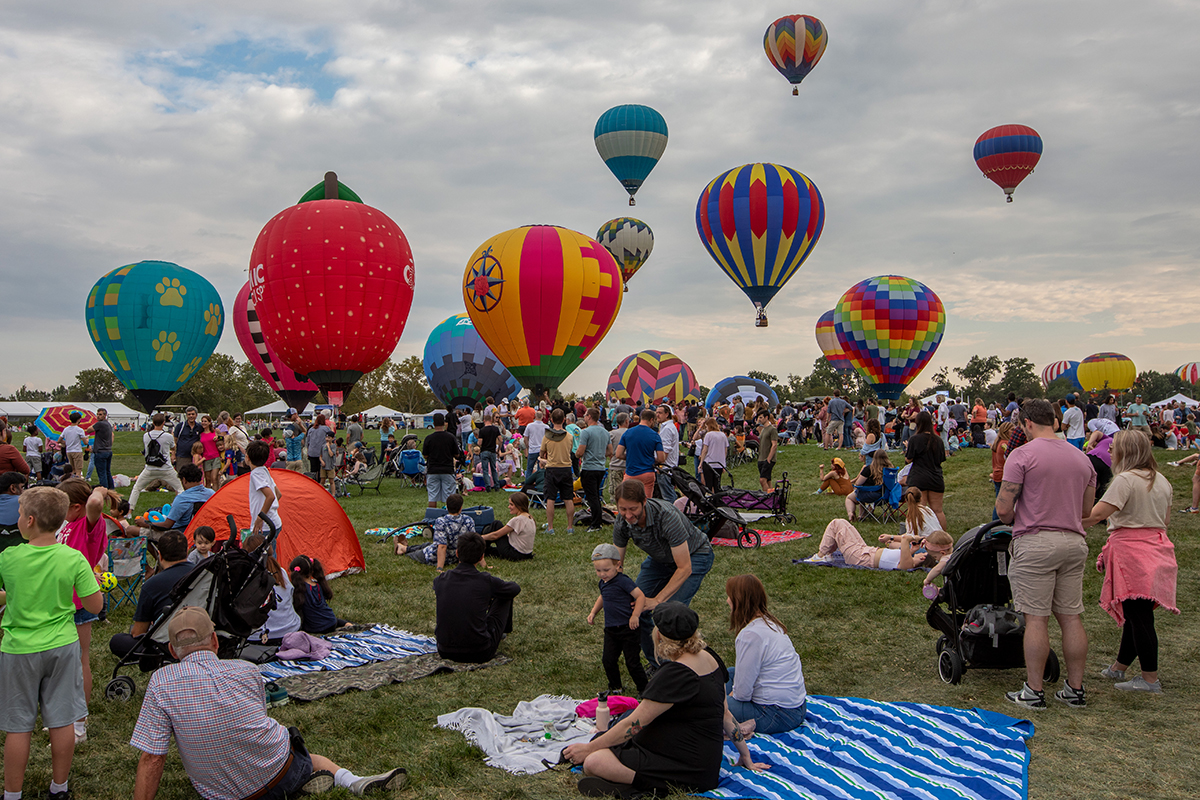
(1010, 490)
(635, 728)
(736, 736)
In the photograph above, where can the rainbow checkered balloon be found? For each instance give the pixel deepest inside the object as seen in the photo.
(652, 375)
(890, 327)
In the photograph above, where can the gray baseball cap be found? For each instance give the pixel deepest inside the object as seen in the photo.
(606, 550)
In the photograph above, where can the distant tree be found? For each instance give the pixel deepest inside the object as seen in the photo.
(1018, 377)
(765, 377)
(97, 385)
(824, 379)
(60, 393)
(703, 392)
(1057, 390)
(411, 391)
(376, 388)
(942, 383)
(1154, 386)
(28, 395)
(224, 384)
(978, 374)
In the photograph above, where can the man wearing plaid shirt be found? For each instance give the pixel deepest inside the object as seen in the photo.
(230, 748)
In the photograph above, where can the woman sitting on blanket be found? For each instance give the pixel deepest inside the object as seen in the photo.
(898, 552)
(673, 740)
(837, 480)
(514, 542)
(766, 690)
(919, 519)
(868, 484)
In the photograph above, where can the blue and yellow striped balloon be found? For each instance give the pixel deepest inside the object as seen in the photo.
(154, 324)
(631, 139)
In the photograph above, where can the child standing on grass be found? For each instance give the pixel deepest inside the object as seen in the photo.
(622, 602)
(40, 661)
(312, 596)
(264, 494)
(198, 455)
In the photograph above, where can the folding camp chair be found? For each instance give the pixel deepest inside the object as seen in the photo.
(885, 506)
(127, 561)
(370, 478)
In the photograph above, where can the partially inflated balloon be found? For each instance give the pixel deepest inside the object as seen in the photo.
(828, 342)
(794, 45)
(1189, 372)
(542, 298)
(652, 375)
(1106, 371)
(460, 368)
(294, 389)
(631, 139)
(1062, 369)
(630, 242)
(889, 327)
(154, 323)
(759, 222)
(1007, 154)
(749, 389)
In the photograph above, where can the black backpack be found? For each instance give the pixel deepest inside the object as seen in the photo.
(154, 453)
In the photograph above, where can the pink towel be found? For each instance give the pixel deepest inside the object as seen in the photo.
(1138, 564)
(617, 704)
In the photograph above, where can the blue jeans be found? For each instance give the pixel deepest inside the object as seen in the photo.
(491, 477)
(103, 462)
(666, 488)
(996, 516)
(531, 465)
(767, 719)
(848, 432)
(653, 577)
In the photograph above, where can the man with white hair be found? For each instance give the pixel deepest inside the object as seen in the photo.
(217, 711)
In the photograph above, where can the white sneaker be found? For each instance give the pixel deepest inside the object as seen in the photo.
(816, 558)
(394, 779)
(1140, 684)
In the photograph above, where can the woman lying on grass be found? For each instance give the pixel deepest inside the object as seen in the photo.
(898, 552)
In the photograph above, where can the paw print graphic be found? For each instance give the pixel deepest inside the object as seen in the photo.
(189, 369)
(172, 292)
(165, 346)
(212, 316)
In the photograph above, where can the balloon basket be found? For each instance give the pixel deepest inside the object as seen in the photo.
(1008, 199)
(761, 320)
(795, 91)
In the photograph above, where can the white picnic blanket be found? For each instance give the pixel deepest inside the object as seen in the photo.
(517, 743)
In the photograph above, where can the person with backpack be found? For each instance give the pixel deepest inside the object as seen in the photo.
(159, 448)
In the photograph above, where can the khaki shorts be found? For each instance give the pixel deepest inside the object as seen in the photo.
(328, 474)
(1046, 572)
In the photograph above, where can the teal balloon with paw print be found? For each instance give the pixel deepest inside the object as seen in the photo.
(155, 324)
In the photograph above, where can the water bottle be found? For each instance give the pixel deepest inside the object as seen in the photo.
(602, 715)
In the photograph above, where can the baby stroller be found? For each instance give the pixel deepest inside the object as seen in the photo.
(235, 588)
(705, 512)
(980, 629)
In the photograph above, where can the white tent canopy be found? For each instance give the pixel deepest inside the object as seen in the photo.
(270, 409)
(1178, 398)
(117, 412)
(381, 411)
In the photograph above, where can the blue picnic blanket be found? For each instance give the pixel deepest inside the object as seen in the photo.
(377, 643)
(854, 748)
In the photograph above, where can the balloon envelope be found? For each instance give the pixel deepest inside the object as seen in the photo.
(542, 298)
(749, 389)
(1189, 372)
(1062, 369)
(759, 222)
(653, 375)
(460, 368)
(794, 45)
(890, 327)
(1007, 154)
(630, 241)
(828, 342)
(1106, 371)
(631, 139)
(154, 324)
(294, 389)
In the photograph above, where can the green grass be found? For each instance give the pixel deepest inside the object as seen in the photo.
(858, 633)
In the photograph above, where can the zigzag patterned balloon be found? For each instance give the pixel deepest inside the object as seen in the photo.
(630, 241)
(652, 375)
(794, 45)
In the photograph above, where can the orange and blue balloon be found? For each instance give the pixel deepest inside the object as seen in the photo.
(828, 342)
(542, 298)
(1007, 154)
(1101, 371)
(631, 139)
(890, 327)
(653, 375)
(759, 222)
(794, 45)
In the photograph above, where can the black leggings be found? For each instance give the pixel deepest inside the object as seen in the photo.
(1138, 639)
(620, 640)
(712, 476)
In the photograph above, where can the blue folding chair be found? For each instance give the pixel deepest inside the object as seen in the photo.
(126, 561)
(884, 506)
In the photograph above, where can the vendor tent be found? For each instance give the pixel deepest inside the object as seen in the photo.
(381, 411)
(1178, 398)
(313, 523)
(117, 412)
(269, 410)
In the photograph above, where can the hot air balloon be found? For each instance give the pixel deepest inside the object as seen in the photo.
(631, 139)
(759, 222)
(1106, 371)
(630, 242)
(1189, 372)
(889, 327)
(294, 389)
(332, 282)
(542, 298)
(154, 323)
(1006, 154)
(794, 45)
(652, 375)
(460, 368)
(1062, 369)
(828, 342)
(749, 389)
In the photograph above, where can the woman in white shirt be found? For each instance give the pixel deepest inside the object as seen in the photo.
(766, 685)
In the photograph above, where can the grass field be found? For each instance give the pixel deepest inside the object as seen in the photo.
(858, 634)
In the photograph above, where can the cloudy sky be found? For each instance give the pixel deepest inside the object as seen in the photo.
(140, 130)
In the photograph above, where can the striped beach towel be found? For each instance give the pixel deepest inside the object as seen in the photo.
(377, 643)
(851, 748)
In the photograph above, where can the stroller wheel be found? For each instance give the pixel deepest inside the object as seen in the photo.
(1053, 671)
(748, 539)
(942, 643)
(120, 688)
(950, 667)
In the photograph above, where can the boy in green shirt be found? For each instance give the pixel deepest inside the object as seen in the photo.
(39, 655)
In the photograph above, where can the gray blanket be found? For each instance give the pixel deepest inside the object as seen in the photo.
(517, 743)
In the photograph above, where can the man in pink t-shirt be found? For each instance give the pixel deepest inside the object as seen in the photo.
(1048, 487)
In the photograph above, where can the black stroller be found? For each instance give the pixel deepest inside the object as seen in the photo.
(714, 520)
(980, 629)
(235, 588)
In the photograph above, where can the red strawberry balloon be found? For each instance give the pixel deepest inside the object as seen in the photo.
(332, 280)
